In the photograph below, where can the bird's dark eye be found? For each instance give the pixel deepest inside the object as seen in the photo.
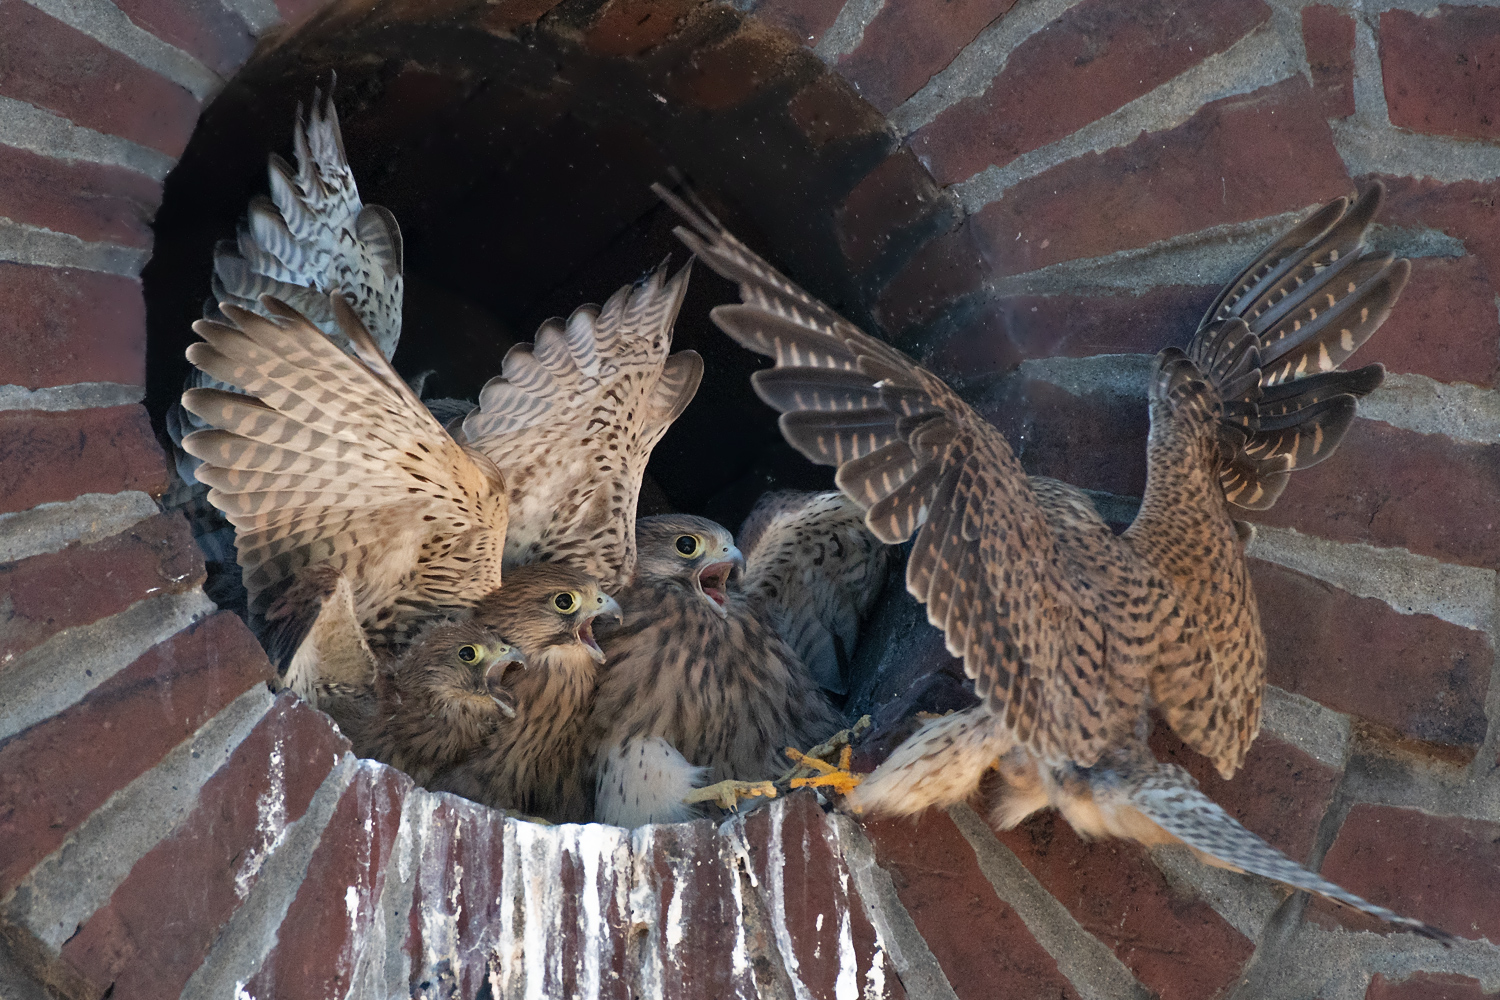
(470, 653)
(565, 602)
(688, 545)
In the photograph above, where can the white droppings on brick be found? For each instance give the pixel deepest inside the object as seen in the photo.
(846, 987)
(674, 915)
(270, 821)
(351, 906)
(875, 976)
(598, 847)
(776, 891)
(645, 904)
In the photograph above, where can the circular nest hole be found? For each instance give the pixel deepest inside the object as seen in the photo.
(518, 164)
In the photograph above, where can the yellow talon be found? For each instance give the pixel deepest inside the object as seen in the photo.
(839, 778)
(727, 794)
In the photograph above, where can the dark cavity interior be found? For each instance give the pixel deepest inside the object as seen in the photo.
(518, 165)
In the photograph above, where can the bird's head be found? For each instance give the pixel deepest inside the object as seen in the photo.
(462, 663)
(549, 608)
(692, 551)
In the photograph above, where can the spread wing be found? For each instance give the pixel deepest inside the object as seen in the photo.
(986, 560)
(331, 460)
(571, 421)
(311, 236)
(816, 568)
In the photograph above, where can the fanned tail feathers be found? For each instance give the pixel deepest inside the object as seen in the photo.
(1272, 342)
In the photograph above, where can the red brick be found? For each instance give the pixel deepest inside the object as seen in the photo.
(1443, 326)
(326, 929)
(949, 268)
(1466, 210)
(61, 325)
(683, 864)
(908, 42)
(1426, 986)
(1096, 440)
(813, 886)
(1175, 944)
(1014, 328)
(219, 39)
(1273, 143)
(1328, 36)
(630, 27)
(41, 596)
(1440, 869)
(1416, 674)
(47, 63)
(161, 921)
(981, 943)
(1096, 58)
(90, 201)
(456, 875)
(897, 195)
(1442, 70)
(45, 457)
(720, 76)
(1400, 489)
(828, 109)
(805, 20)
(53, 775)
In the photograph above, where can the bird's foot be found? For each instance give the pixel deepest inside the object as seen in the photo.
(824, 775)
(727, 794)
(827, 764)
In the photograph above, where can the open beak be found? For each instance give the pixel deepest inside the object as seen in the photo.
(608, 608)
(713, 579)
(494, 676)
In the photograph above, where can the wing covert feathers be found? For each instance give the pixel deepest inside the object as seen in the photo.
(918, 460)
(323, 459)
(818, 570)
(571, 421)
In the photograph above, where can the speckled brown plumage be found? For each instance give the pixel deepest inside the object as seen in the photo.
(445, 696)
(330, 460)
(698, 668)
(572, 419)
(815, 570)
(535, 763)
(1069, 632)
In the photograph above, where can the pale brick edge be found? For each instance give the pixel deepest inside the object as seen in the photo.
(111, 27)
(25, 126)
(72, 883)
(51, 527)
(251, 933)
(43, 681)
(1260, 59)
(28, 244)
(76, 396)
(1087, 962)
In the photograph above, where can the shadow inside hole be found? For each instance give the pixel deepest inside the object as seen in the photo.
(519, 171)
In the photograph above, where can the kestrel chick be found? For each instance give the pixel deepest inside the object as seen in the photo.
(1070, 633)
(441, 701)
(699, 685)
(535, 762)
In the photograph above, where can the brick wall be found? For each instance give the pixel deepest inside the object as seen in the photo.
(1049, 203)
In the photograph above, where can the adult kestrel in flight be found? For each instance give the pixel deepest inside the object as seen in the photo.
(1070, 633)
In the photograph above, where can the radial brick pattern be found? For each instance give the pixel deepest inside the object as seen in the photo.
(1033, 197)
